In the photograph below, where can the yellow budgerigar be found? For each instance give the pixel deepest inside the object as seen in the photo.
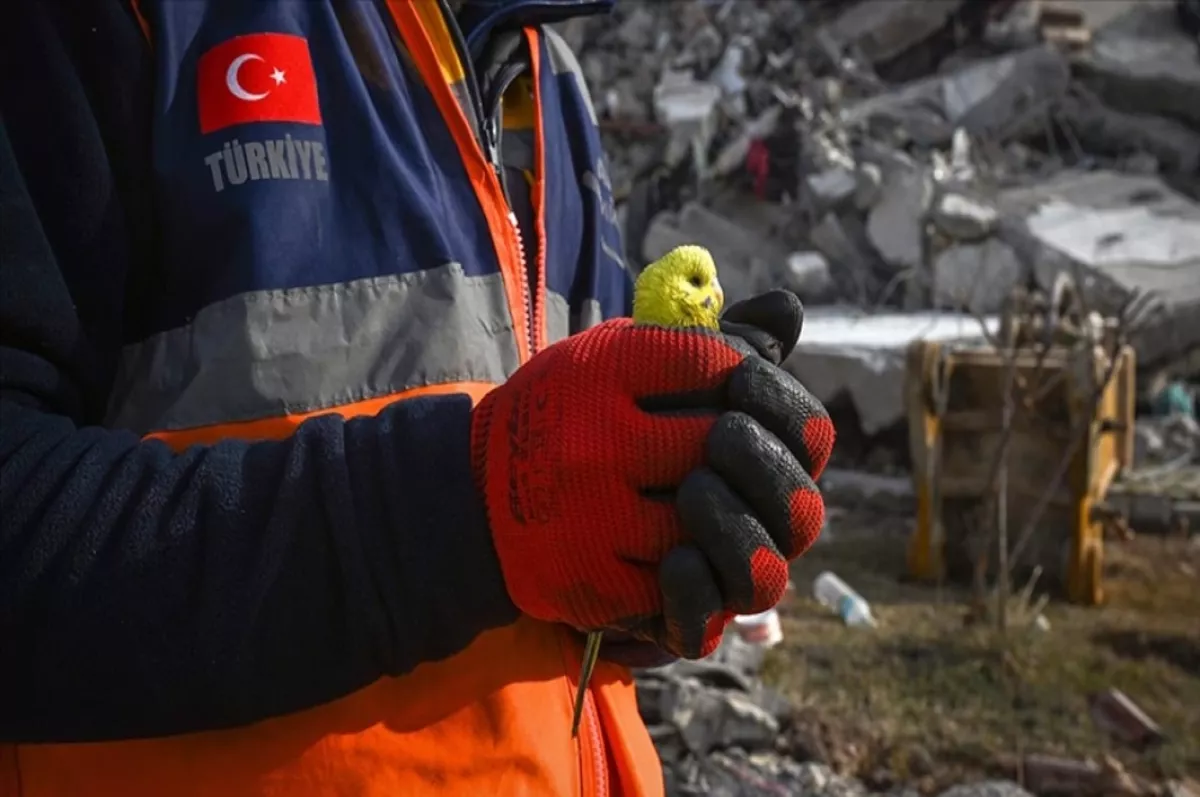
(680, 289)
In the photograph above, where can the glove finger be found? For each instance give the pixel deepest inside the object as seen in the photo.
(771, 322)
(693, 618)
(761, 342)
(776, 400)
(655, 529)
(770, 479)
(749, 568)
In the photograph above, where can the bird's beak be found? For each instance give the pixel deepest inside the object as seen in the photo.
(720, 292)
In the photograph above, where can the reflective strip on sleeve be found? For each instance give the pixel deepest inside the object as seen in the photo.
(558, 317)
(587, 316)
(285, 352)
(561, 321)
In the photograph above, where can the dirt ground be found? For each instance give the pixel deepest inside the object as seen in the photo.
(927, 698)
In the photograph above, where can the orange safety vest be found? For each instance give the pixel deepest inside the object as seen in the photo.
(492, 720)
(495, 719)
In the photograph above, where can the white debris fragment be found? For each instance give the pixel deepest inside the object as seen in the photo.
(964, 218)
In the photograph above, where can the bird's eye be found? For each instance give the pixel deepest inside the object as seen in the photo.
(696, 281)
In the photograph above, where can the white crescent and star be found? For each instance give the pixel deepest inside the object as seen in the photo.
(235, 88)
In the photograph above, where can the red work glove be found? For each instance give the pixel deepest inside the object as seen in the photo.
(655, 481)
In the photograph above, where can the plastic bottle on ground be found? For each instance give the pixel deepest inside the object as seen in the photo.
(837, 596)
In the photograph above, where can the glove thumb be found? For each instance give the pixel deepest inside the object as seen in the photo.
(770, 322)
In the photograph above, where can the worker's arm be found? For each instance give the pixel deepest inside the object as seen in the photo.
(146, 592)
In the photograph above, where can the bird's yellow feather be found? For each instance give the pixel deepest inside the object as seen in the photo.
(680, 289)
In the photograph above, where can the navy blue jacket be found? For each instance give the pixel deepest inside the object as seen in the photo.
(169, 276)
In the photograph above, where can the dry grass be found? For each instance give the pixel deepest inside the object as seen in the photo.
(926, 695)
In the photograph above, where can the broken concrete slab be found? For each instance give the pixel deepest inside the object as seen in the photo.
(1116, 235)
(844, 241)
(1144, 62)
(884, 29)
(977, 278)
(896, 225)
(639, 29)
(734, 665)
(708, 718)
(962, 217)
(997, 99)
(868, 182)
(1102, 130)
(831, 188)
(750, 258)
(807, 275)
(727, 75)
(688, 108)
(846, 353)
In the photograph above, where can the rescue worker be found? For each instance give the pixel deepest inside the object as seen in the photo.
(299, 493)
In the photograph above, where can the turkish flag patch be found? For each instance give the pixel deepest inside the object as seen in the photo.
(261, 77)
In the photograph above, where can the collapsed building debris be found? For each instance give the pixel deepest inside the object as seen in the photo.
(721, 733)
(906, 167)
(999, 98)
(896, 154)
(1144, 62)
(1118, 235)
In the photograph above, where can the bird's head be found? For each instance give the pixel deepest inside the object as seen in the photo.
(680, 289)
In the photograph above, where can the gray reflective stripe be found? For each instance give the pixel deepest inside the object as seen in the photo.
(587, 316)
(597, 182)
(563, 61)
(272, 353)
(558, 317)
(562, 321)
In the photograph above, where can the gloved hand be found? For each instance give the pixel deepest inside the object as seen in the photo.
(655, 481)
(770, 323)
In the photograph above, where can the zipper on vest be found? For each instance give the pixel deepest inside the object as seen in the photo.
(491, 126)
(494, 122)
(599, 754)
(485, 130)
(494, 125)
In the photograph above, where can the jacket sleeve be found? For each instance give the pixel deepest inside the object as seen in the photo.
(145, 592)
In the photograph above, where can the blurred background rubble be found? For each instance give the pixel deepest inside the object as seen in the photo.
(904, 165)
(921, 173)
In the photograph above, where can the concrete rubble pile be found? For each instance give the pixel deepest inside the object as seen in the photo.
(721, 733)
(903, 165)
